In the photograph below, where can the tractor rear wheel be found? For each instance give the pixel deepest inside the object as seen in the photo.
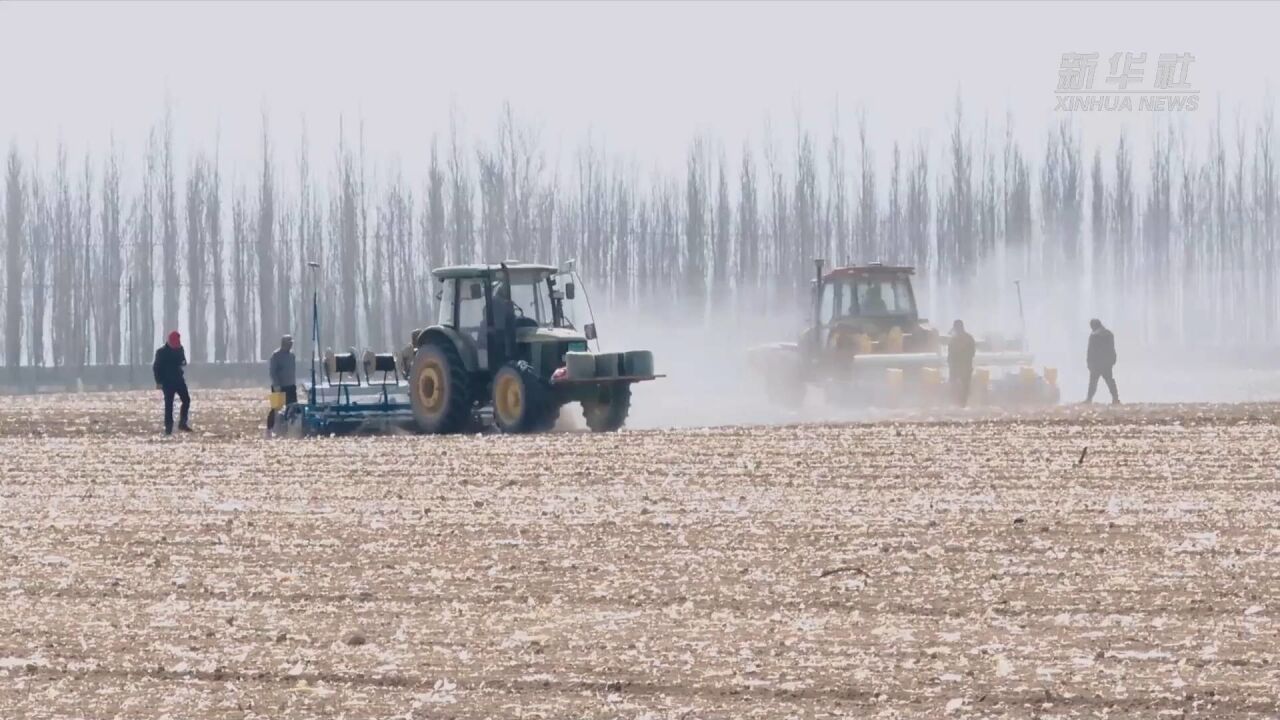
(520, 399)
(607, 412)
(438, 389)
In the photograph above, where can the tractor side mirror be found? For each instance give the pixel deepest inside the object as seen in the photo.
(476, 291)
(568, 290)
(589, 330)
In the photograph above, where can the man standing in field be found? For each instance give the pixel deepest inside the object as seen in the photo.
(284, 371)
(167, 368)
(960, 352)
(1101, 358)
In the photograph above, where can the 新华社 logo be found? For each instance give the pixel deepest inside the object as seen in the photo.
(1126, 84)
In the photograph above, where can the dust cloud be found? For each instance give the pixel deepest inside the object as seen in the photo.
(709, 382)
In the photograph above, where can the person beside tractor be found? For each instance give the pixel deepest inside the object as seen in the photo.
(1101, 358)
(167, 369)
(960, 353)
(283, 369)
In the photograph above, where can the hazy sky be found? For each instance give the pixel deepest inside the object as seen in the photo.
(644, 78)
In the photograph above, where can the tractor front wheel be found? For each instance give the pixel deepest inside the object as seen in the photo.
(607, 412)
(520, 399)
(438, 389)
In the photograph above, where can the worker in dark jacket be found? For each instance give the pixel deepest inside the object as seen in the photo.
(1101, 358)
(170, 359)
(283, 369)
(960, 351)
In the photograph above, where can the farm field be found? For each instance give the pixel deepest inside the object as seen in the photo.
(964, 565)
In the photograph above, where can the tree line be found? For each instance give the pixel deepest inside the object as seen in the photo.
(1182, 245)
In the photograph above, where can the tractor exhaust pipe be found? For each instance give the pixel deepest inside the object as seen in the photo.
(817, 302)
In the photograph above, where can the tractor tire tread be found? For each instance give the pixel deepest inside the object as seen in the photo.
(457, 413)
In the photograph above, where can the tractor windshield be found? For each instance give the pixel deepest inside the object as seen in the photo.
(882, 296)
(868, 297)
(532, 300)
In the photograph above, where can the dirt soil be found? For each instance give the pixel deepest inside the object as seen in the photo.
(970, 565)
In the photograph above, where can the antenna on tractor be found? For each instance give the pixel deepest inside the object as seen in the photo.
(315, 324)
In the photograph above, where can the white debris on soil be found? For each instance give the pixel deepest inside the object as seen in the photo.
(913, 569)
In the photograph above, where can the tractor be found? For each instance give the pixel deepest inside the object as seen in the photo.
(867, 345)
(504, 348)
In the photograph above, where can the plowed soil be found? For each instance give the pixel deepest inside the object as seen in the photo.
(1074, 562)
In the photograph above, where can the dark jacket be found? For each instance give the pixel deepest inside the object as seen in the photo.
(960, 350)
(168, 366)
(1102, 350)
(283, 369)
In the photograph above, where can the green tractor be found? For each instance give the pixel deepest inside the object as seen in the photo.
(504, 350)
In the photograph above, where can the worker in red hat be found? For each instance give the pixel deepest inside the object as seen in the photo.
(170, 359)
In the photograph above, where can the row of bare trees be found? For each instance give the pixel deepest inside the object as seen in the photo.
(87, 253)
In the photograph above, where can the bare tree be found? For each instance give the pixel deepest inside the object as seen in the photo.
(15, 208)
(433, 228)
(493, 205)
(1266, 203)
(242, 276)
(266, 250)
(63, 258)
(957, 243)
(895, 219)
(197, 336)
(805, 214)
(918, 208)
(1098, 220)
(623, 239)
(749, 231)
(111, 267)
(84, 313)
(169, 226)
(722, 249)
(695, 235)
(38, 252)
(141, 291)
(1123, 222)
(868, 245)
(286, 247)
(217, 254)
(461, 239)
(348, 250)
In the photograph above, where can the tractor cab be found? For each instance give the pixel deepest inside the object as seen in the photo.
(509, 312)
(869, 308)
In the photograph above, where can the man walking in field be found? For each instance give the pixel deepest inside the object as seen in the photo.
(1101, 358)
(960, 352)
(284, 371)
(167, 368)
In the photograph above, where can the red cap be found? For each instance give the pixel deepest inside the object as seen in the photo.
(175, 340)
